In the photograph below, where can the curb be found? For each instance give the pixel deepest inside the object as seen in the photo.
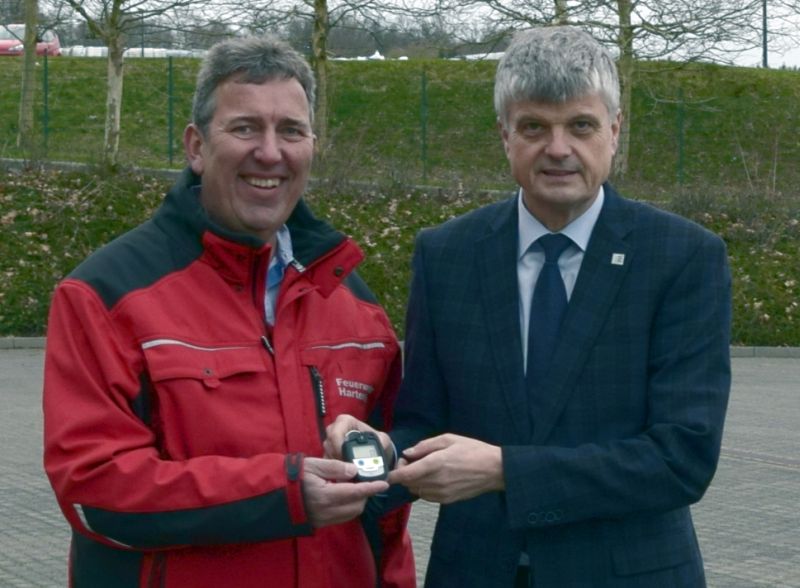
(736, 350)
(22, 343)
(783, 352)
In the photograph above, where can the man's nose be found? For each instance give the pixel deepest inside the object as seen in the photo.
(558, 145)
(268, 148)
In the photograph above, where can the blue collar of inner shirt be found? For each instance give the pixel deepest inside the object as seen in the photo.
(281, 257)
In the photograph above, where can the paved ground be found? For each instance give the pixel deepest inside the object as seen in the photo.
(748, 523)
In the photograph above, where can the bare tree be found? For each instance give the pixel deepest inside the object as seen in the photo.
(641, 29)
(12, 11)
(25, 139)
(324, 16)
(111, 21)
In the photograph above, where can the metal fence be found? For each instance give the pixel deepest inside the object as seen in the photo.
(432, 121)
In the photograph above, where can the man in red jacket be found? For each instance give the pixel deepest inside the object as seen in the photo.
(193, 364)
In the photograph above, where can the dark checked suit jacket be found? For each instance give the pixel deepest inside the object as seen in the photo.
(626, 431)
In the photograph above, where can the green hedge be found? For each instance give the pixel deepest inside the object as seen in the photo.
(50, 221)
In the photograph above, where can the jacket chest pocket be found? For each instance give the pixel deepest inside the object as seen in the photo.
(347, 377)
(212, 400)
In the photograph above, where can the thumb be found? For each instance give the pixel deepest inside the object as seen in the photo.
(329, 469)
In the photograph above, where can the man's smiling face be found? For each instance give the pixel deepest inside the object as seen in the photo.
(255, 158)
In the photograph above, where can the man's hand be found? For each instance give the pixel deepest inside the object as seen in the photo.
(344, 423)
(450, 468)
(329, 497)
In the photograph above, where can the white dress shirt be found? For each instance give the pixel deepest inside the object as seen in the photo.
(530, 256)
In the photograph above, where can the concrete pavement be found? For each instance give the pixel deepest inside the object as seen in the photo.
(748, 523)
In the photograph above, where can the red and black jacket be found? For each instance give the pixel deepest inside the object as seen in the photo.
(176, 422)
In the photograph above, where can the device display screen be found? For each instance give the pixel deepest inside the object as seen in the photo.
(362, 451)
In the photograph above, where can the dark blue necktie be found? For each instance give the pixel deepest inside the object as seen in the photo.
(548, 306)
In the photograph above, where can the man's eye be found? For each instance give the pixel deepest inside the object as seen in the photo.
(583, 127)
(530, 128)
(293, 132)
(243, 131)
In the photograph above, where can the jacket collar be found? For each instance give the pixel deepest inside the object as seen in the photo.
(231, 252)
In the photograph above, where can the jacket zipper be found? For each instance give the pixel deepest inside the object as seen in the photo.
(318, 386)
(156, 576)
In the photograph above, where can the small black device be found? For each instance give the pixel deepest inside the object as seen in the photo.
(364, 449)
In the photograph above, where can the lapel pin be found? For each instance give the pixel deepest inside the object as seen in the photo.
(617, 259)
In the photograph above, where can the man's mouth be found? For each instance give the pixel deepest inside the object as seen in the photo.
(558, 172)
(263, 182)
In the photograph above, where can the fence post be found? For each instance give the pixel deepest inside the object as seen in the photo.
(170, 107)
(424, 124)
(680, 130)
(46, 100)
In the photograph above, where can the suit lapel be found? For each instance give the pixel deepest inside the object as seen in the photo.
(497, 273)
(605, 265)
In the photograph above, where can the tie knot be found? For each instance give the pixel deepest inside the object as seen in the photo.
(553, 245)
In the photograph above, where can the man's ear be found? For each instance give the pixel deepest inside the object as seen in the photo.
(501, 128)
(616, 125)
(193, 146)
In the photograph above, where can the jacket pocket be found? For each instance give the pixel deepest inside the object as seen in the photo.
(169, 359)
(653, 543)
(214, 400)
(347, 376)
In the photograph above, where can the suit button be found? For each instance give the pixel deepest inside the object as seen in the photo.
(550, 517)
(533, 518)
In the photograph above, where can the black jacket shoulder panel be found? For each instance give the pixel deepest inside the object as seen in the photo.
(359, 288)
(135, 260)
(167, 242)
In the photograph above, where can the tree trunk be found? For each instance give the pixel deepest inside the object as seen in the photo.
(626, 72)
(319, 61)
(116, 48)
(25, 138)
(562, 12)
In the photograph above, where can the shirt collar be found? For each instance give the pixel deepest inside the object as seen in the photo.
(579, 230)
(283, 245)
(282, 256)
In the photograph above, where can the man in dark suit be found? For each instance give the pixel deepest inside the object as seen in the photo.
(564, 445)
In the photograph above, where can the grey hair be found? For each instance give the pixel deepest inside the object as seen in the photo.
(555, 64)
(250, 60)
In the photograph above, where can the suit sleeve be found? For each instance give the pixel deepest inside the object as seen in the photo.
(670, 454)
(103, 459)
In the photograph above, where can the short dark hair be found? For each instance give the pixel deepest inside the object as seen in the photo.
(252, 60)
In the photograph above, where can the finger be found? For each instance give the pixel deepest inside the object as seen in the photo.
(329, 503)
(369, 489)
(428, 446)
(330, 469)
(414, 473)
(335, 432)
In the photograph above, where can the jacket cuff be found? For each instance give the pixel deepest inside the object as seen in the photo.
(294, 488)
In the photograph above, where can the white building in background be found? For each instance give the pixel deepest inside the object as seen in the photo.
(146, 52)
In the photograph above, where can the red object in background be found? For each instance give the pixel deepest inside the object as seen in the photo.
(13, 35)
